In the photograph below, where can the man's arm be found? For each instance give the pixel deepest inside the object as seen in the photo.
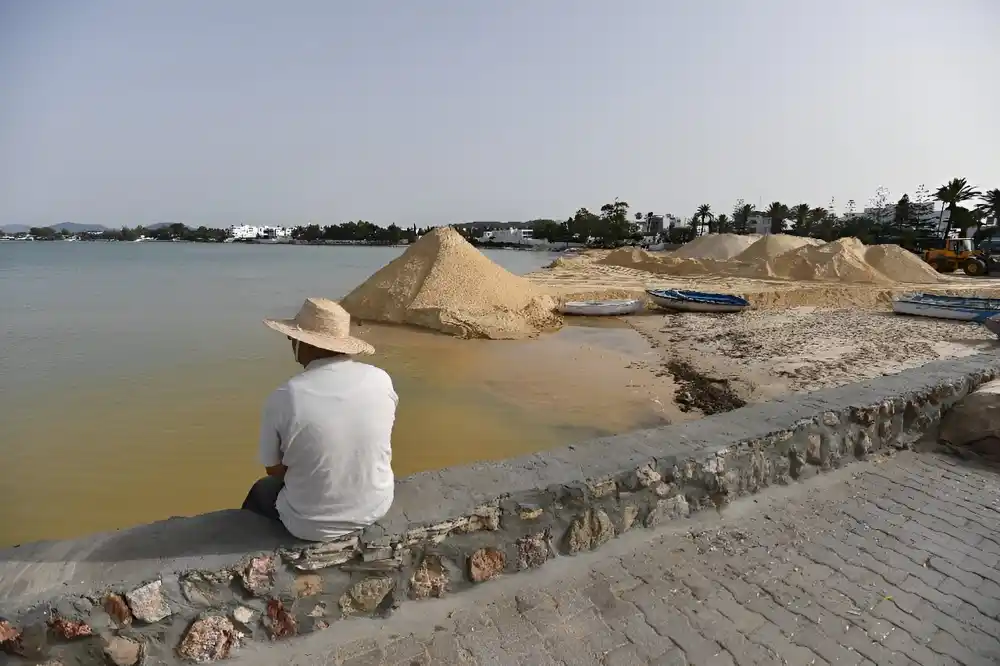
(271, 427)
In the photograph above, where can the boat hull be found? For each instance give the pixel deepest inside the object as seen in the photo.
(601, 308)
(685, 301)
(955, 308)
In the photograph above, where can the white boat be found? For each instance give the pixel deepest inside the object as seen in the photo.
(696, 301)
(957, 308)
(602, 308)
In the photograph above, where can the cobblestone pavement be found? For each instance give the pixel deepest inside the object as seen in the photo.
(887, 562)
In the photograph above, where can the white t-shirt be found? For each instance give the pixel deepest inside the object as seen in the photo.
(331, 425)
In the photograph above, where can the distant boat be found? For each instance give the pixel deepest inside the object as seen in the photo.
(611, 308)
(696, 301)
(958, 308)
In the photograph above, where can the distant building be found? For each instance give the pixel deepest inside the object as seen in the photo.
(930, 217)
(248, 232)
(512, 236)
(759, 223)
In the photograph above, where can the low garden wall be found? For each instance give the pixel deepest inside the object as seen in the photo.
(195, 589)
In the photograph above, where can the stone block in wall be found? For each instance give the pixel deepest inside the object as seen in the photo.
(322, 555)
(123, 651)
(430, 578)
(667, 509)
(486, 564)
(209, 638)
(589, 530)
(117, 610)
(148, 603)
(368, 595)
(257, 574)
(533, 550)
(206, 588)
(975, 417)
(278, 621)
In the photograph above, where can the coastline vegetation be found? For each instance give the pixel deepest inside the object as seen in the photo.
(904, 221)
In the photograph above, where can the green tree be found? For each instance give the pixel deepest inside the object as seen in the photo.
(990, 205)
(583, 225)
(822, 224)
(800, 214)
(614, 227)
(862, 227)
(778, 212)
(741, 217)
(705, 216)
(43, 233)
(550, 230)
(723, 224)
(951, 194)
(880, 209)
(902, 218)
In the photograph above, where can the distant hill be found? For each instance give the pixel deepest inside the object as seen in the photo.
(71, 227)
(75, 228)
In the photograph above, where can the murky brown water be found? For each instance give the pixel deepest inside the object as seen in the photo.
(107, 426)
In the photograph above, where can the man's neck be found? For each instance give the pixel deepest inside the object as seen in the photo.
(325, 360)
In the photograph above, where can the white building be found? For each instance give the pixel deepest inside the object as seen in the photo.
(247, 232)
(512, 236)
(758, 223)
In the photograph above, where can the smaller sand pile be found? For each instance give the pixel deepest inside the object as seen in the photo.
(842, 260)
(715, 246)
(443, 283)
(901, 265)
(632, 257)
(772, 246)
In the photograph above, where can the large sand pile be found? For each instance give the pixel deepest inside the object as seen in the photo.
(782, 257)
(715, 246)
(442, 282)
(773, 245)
(842, 260)
(901, 265)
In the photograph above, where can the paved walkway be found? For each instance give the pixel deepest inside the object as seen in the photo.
(887, 562)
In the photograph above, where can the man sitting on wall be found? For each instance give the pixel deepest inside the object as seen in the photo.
(325, 433)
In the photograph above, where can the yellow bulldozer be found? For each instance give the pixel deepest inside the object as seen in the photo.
(948, 255)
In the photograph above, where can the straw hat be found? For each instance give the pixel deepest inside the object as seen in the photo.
(324, 324)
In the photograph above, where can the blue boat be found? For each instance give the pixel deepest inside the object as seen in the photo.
(958, 308)
(696, 301)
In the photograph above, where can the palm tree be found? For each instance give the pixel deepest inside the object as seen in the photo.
(778, 212)
(801, 216)
(990, 205)
(956, 191)
(741, 217)
(705, 213)
(820, 222)
(723, 223)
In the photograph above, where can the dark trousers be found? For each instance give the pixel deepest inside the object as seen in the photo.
(263, 495)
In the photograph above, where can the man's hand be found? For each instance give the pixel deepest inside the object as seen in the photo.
(276, 470)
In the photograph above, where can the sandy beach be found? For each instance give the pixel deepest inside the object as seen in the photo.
(801, 335)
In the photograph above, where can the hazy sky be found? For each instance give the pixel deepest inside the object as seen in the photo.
(435, 111)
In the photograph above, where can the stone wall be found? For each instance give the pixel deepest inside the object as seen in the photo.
(448, 530)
